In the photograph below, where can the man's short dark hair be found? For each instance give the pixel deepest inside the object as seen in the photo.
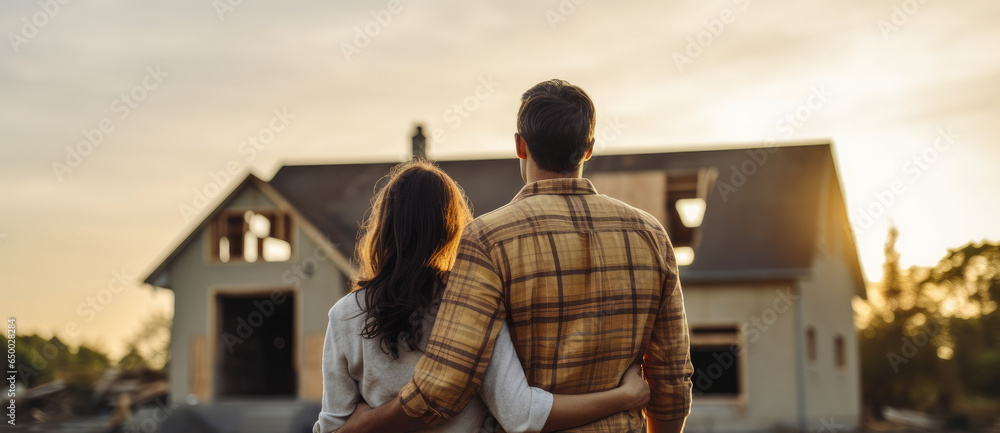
(557, 121)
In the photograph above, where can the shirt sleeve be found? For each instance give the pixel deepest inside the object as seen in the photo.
(667, 361)
(451, 370)
(518, 407)
(340, 391)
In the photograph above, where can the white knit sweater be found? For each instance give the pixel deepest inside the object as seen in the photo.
(356, 369)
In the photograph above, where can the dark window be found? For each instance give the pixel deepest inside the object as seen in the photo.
(811, 344)
(717, 362)
(839, 351)
(714, 332)
(235, 227)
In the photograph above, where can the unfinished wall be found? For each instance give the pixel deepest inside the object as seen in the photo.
(195, 278)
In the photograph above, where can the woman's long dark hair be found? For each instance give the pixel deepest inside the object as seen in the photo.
(407, 248)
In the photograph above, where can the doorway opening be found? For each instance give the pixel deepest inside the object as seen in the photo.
(256, 345)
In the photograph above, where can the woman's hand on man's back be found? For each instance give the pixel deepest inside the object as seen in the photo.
(635, 390)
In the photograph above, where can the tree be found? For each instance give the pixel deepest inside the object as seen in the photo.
(932, 341)
(900, 366)
(970, 275)
(132, 360)
(37, 359)
(41, 360)
(150, 346)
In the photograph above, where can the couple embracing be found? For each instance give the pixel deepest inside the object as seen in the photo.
(560, 311)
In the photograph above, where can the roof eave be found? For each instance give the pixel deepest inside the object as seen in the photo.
(159, 277)
(854, 259)
(742, 275)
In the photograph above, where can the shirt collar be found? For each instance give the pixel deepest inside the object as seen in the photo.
(559, 186)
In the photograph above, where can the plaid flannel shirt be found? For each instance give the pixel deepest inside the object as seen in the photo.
(587, 284)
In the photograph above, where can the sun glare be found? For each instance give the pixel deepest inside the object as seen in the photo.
(753, 119)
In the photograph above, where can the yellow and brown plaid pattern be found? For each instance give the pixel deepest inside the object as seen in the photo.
(587, 284)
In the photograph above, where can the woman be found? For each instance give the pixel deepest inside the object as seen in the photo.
(376, 334)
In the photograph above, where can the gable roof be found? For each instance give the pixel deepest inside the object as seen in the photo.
(336, 197)
(766, 229)
(767, 224)
(158, 277)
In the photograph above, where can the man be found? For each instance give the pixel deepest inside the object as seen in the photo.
(587, 284)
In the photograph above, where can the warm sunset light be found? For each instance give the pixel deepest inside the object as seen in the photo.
(188, 184)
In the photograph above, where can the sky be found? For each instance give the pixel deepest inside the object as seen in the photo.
(120, 119)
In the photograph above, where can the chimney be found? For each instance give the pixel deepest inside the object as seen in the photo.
(420, 143)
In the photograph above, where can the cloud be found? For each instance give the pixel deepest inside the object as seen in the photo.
(226, 75)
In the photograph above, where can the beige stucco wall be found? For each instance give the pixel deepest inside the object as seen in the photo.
(833, 393)
(194, 279)
(769, 396)
(770, 399)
